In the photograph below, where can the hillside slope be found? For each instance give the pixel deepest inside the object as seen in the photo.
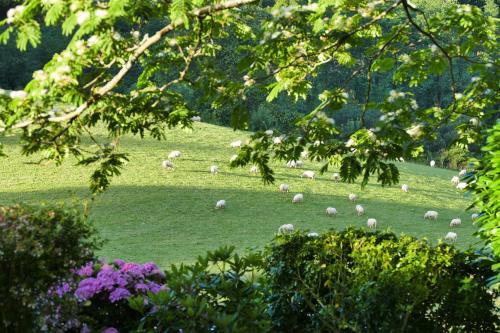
(153, 214)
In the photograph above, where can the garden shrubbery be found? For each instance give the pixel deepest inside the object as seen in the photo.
(38, 247)
(347, 281)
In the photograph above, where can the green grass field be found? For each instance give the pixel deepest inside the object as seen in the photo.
(153, 214)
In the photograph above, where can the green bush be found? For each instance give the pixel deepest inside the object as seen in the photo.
(38, 247)
(357, 281)
(221, 292)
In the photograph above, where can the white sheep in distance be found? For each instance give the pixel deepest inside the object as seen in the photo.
(269, 132)
(431, 215)
(353, 197)
(432, 163)
(167, 164)
(214, 169)
(221, 204)
(285, 229)
(277, 140)
(336, 177)
(312, 234)
(284, 187)
(254, 169)
(236, 144)
(462, 172)
(455, 222)
(291, 164)
(404, 188)
(451, 236)
(196, 118)
(308, 174)
(330, 211)
(298, 198)
(474, 216)
(174, 154)
(233, 158)
(461, 186)
(371, 223)
(304, 155)
(360, 210)
(455, 180)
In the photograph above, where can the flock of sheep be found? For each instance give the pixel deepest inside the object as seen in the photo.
(330, 211)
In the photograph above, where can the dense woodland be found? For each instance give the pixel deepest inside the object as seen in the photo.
(16, 68)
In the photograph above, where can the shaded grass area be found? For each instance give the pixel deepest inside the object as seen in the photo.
(153, 214)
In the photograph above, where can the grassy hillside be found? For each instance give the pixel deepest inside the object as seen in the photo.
(153, 214)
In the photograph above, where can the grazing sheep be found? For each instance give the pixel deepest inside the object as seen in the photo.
(304, 155)
(474, 216)
(451, 236)
(167, 164)
(254, 169)
(308, 174)
(269, 132)
(336, 177)
(404, 188)
(312, 234)
(432, 164)
(277, 140)
(233, 158)
(174, 154)
(221, 204)
(455, 180)
(371, 223)
(285, 229)
(462, 172)
(236, 144)
(353, 197)
(461, 186)
(455, 222)
(402, 160)
(431, 215)
(330, 211)
(299, 164)
(214, 169)
(291, 164)
(284, 187)
(196, 118)
(298, 198)
(360, 210)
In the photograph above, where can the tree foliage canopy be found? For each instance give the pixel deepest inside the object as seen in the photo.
(129, 65)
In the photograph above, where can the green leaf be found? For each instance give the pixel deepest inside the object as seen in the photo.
(383, 64)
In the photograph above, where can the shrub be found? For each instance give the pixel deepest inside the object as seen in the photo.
(221, 292)
(38, 246)
(357, 281)
(95, 297)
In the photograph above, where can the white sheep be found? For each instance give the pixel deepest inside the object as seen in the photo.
(462, 172)
(298, 198)
(196, 118)
(167, 164)
(285, 229)
(330, 211)
(371, 223)
(404, 188)
(277, 140)
(431, 215)
(461, 186)
(474, 216)
(432, 163)
(236, 144)
(284, 187)
(269, 132)
(174, 154)
(402, 160)
(221, 204)
(353, 197)
(304, 155)
(451, 236)
(214, 169)
(360, 210)
(308, 174)
(455, 222)
(336, 177)
(291, 164)
(233, 158)
(254, 169)
(312, 234)
(455, 180)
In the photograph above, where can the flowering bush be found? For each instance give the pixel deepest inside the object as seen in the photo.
(38, 247)
(96, 297)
